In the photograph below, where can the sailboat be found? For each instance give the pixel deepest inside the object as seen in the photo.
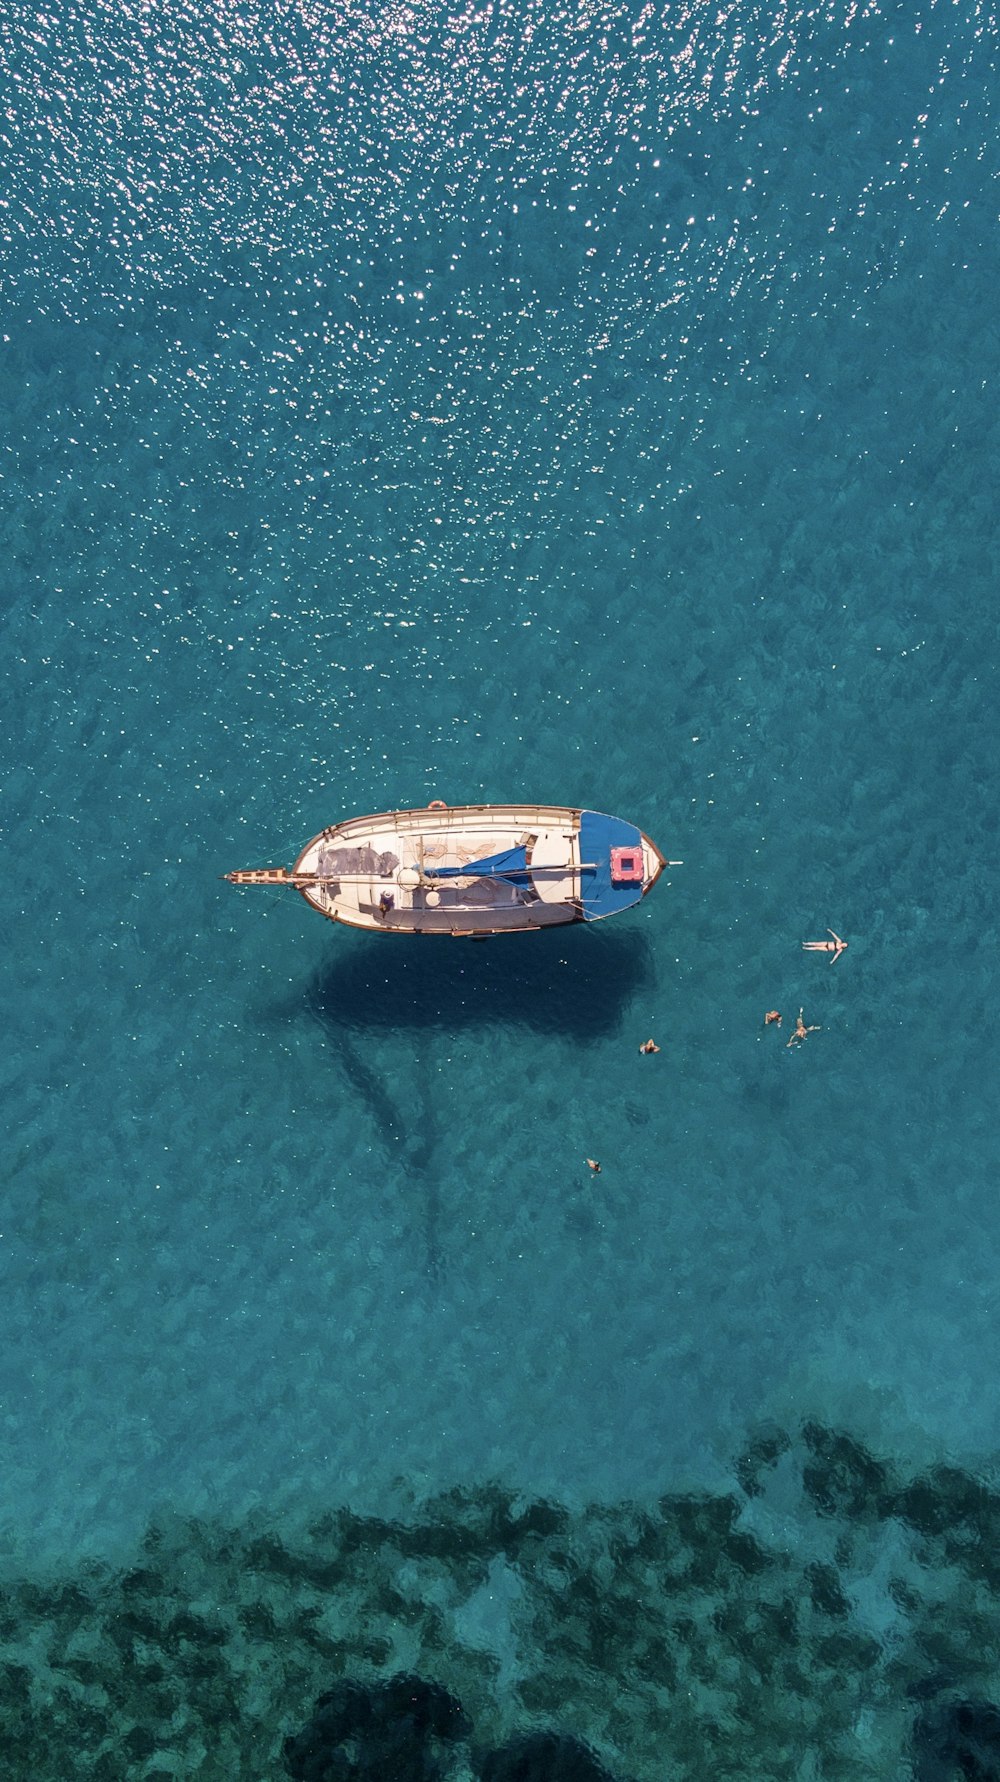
(471, 870)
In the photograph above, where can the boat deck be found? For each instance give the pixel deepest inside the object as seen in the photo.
(359, 865)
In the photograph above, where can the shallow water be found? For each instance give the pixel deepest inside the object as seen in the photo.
(587, 405)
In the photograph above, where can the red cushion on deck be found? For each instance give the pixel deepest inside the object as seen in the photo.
(626, 866)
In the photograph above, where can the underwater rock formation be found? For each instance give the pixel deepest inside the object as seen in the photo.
(827, 1609)
(544, 1757)
(371, 1732)
(957, 1739)
(842, 1478)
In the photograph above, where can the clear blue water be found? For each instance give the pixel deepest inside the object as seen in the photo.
(588, 404)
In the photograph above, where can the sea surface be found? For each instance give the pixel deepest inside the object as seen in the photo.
(586, 403)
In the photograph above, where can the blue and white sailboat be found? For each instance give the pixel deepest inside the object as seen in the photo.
(471, 870)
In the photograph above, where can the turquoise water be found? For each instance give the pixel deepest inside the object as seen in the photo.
(593, 405)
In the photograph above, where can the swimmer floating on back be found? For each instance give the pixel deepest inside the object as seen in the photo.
(834, 947)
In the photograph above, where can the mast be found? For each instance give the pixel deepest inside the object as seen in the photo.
(279, 875)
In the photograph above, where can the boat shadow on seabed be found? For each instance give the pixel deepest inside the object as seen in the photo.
(560, 982)
(577, 985)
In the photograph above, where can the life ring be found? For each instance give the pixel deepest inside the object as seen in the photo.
(437, 804)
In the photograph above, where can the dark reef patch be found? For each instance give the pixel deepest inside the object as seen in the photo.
(373, 1732)
(957, 1739)
(544, 1757)
(827, 1604)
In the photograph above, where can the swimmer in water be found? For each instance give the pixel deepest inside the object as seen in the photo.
(834, 947)
(801, 1030)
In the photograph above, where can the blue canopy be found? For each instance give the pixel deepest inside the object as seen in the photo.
(511, 864)
(598, 835)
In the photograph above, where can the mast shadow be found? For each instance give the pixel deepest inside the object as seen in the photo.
(408, 1132)
(576, 985)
